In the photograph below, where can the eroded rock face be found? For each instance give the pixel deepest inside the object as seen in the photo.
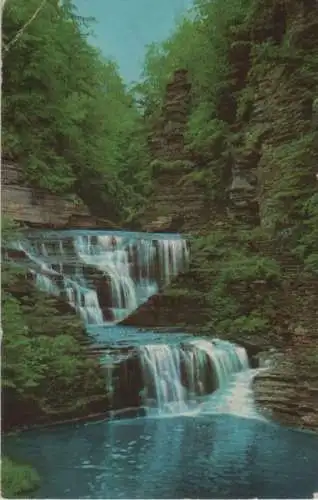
(275, 108)
(167, 139)
(129, 383)
(161, 224)
(286, 395)
(36, 407)
(287, 389)
(243, 191)
(177, 203)
(40, 208)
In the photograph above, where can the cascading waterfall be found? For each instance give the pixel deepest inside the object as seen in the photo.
(104, 275)
(225, 357)
(162, 376)
(175, 377)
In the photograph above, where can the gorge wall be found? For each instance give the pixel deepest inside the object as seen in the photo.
(249, 280)
(248, 199)
(175, 201)
(36, 207)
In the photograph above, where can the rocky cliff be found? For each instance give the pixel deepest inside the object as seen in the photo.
(175, 202)
(249, 280)
(39, 208)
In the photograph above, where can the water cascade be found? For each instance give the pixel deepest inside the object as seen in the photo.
(176, 378)
(104, 275)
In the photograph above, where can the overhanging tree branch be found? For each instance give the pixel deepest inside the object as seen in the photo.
(22, 30)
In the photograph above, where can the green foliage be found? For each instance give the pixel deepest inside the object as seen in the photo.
(69, 120)
(196, 177)
(43, 360)
(176, 293)
(312, 358)
(307, 247)
(246, 59)
(98, 147)
(162, 59)
(295, 180)
(17, 479)
(231, 322)
(245, 104)
(248, 268)
(198, 44)
(230, 47)
(20, 369)
(237, 286)
(9, 230)
(205, 131)
(158, 167)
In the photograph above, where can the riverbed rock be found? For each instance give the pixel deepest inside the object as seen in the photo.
(287, 391)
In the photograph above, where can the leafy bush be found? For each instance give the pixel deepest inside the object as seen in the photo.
(307, 247)
(43, 360)
(158, 167)
(249, 268)
(16, 479)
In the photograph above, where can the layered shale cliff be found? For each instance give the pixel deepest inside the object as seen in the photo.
(175, 202)
(40, 208)
(253, 276)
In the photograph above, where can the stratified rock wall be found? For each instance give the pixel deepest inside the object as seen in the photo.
(175, 203)
(269, 108)
(37, 207)
(275, 95)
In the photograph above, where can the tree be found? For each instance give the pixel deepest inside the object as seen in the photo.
(67, 120)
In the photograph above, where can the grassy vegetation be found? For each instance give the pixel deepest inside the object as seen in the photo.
(17, 480)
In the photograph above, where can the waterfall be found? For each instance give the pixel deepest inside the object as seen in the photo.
(162, 377)
(104, 275)
(177, 376)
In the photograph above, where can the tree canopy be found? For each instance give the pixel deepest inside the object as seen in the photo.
(68, 118)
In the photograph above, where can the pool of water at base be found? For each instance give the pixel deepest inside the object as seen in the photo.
(202, 456)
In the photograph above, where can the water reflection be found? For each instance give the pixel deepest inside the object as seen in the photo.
(217, 456)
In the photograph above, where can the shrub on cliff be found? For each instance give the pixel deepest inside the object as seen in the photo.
(307, 246)
(45, 369)
(44, 366)
(239, 287)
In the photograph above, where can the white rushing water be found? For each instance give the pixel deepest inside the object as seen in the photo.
(202, 376)
(236, 398)
(104, 276)
(163, 391)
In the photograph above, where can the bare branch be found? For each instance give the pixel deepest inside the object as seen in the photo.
(2, 4)
(22, 30)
